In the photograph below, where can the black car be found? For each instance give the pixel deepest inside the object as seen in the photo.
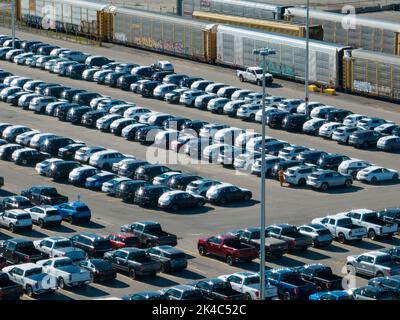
(7, 150)
(331, 161)
(29, 156)
(390, 215)
(187, 82)
(310, 156)
(4, 126)
(84, 98)
(54, 91)
(124, 82)
(286, 164)
(148, 195)
(52, 146)
(62, 110)
(227, 193)
(170, 257)
(218, 289)
(89, 118)
(93, 244)
(389, 283)
(60, 171)
(160, 75)
(364, 138)
(15, 202)
(80, 178)
(97, 61)
(27, 44)
(122, 123)
(43, 86)
(143, 71)
(150, 171)
(275, 120)
(147, 88)
(43, 194)
(45, 50)
(100, 269)
(75, 71)
(13, 99)
(177, 200)
(181, 181)
(112, 78)
(274, 147)
(31, 86)
(174, 78)
(126, 190)
(373, 293)
(35, 47)
(68, 94)
(75, 114)
(175, 123)
(147, 134)
(337, 115)
(4, 74)
(68, 151)
(128, 169)
(294, 122)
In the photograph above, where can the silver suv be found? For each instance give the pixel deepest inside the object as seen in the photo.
(324, 179)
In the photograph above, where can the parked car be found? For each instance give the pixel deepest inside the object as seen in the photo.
(171, 259)
(179, 292)
(364, 138)
(321, 236)
(133, 261)
(9, 290)
(375, 174)
(389, 143)
(19, 250)
(352, 167)
(225, 193)
(176, 200)
(93, 244)
(326, 179)
(373, 264)
(15, 202)
(391, 283)
(15, 219)
(74, 212)
(42, 194)
(99, 269)
(148, 195)
(321, 276)
(123, 240)
(373, 293)
(218, 289)
(79, 175)
(60, 170)
(45, 216)
(298, 175)
(290, 234)
(331, 161)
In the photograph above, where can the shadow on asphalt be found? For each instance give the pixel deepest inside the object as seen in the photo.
(343, 190)
(6, 193)
(58, 295)
(334, 248)
(250, 203)
(187, 274)
(158, 281)
(61, 229)
(87, 291)
(367, 245)
(311, 255)
(116, 284)
(391, 241)
(33, 234)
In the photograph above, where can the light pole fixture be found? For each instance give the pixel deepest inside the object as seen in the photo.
(263, 52)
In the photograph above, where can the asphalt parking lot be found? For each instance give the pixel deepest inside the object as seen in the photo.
(291, 205)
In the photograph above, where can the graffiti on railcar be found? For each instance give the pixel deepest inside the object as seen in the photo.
(279, 69)
(362, 86)
(161, 45)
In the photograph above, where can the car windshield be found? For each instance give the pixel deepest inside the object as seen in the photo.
(63, 244)
(138, 257)
(252, 280)
(52, 212)
(62, 263)
(23, 217)
(50, 192)
(33, 272)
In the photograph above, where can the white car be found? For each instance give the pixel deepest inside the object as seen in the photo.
(211, 153)
(321, 112)
(200, 187)
(290, 105)
(228, 155)
(25, 138)
(243, 138)
(45, 215)
(248, 111)
(39, 138)
(105, 122)
(41, 166)
(310, 106)
(297, 176)
(291, 152)
(15, 219)
(38, 104)
(254, 144)
(66, 273)
(268, 111)
(32, 278)
(313, 125)
(217, 105)
(232, 107)
(163, 65)
(144, 117)
(187, 98)
(94, 102)
(105, 159)
(164, 177)
(135, 112)
(10, 133)
(327, 129)
(342, 133)
(108, 186)
(352, 166)
(227, 135)
(74, 55)
(59, 247)
(240, 94)
(83, 154)
(352, 120)
(374, 174)
(245, 161)
(249, 283)
(209, 130)
(163, 139)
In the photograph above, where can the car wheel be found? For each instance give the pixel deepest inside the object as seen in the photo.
(174, 208)
(12, 228)
(61, 283)
(354, 175)
(248, 296)
(132, 273)
(380, 274)
(202, 251)
(246, 197)
(287, 296)
(70, 219)
(241, 78)
(229, 260)
(222, 200)
(259, 83)
(252, 117)
(41, 223)
(324, 186)
(106, 167)
(371, 234)
(24, 162)
(395, 176)
(200, 204)
(29, 291)
(374, 180)
(341, 238)
(348, 183)
(302, 182)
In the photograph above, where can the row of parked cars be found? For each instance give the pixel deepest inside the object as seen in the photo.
(216, 143)
(119, 175)
(160, 81)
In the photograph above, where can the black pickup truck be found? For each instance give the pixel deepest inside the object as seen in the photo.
(321, 276)
(39, 195)
(18, 250)
(8, 289)
(273, 247)
(218, 289)
(150, 234)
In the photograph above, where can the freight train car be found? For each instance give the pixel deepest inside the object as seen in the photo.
(235, 48)
(292, 29)
(373, 74)
(369, 34)
(72, 16)
(167, 34)
(233, 7)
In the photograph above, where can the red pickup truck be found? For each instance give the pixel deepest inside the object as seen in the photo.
(228, 247)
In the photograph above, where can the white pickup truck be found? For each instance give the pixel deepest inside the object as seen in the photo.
(254, 75)
(59, 247)
(342, 228)
(370, 220)
(66, 273)
(32, 278)
(249, 284)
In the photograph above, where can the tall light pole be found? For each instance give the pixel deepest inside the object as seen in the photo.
(306, 99)
(13, 22)
(263, 52)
